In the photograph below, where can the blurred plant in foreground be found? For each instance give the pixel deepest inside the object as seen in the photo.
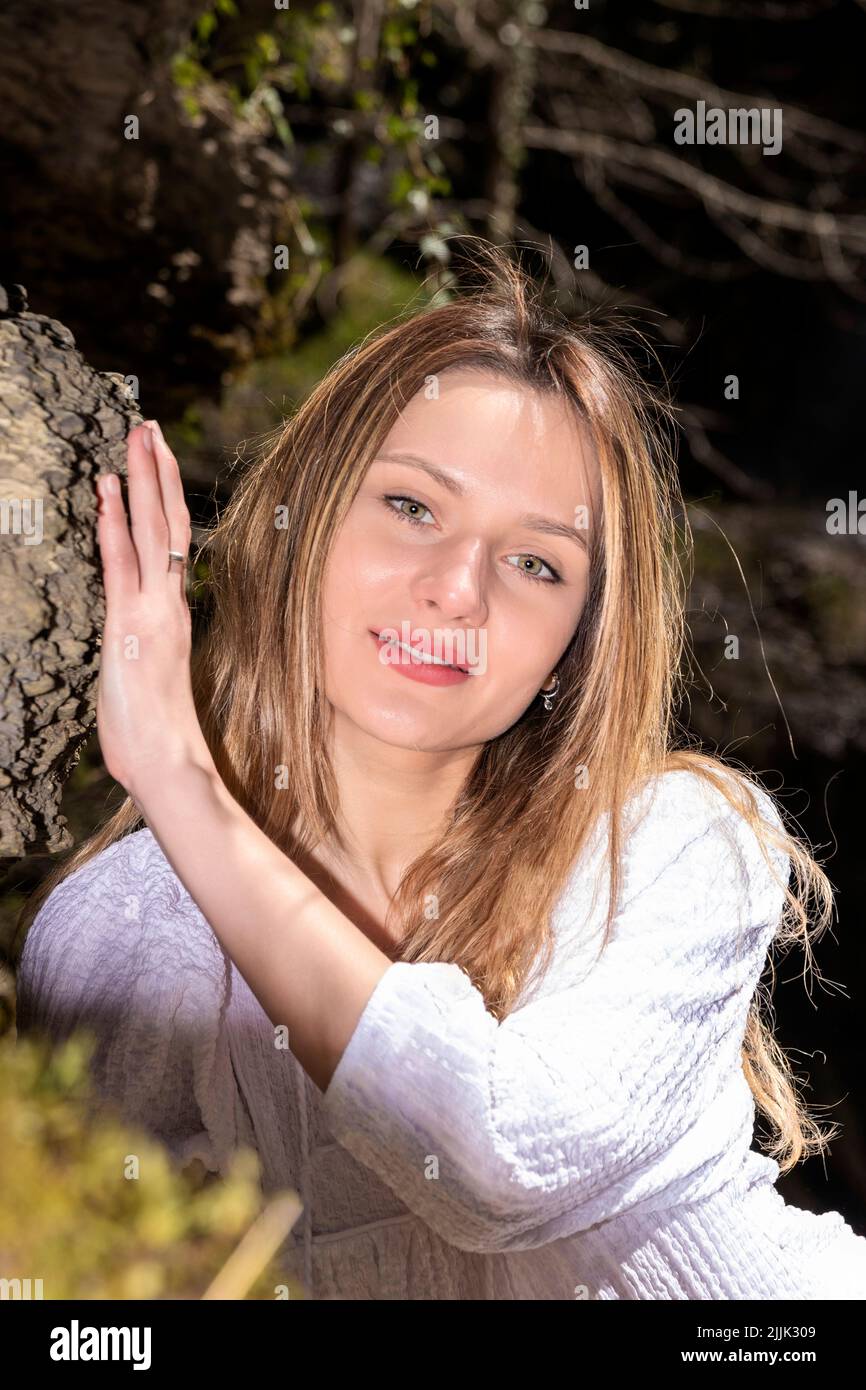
(73, 1217)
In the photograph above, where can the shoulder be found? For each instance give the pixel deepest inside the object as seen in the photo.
(121, 918)
(683, 801)
(679, 815)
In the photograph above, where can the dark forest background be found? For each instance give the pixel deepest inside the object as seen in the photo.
(364, 138)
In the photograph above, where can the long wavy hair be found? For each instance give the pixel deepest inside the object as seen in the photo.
(257, 669)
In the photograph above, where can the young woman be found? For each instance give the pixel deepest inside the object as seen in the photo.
(431, 722)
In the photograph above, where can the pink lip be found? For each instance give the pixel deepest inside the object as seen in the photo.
(418, 670)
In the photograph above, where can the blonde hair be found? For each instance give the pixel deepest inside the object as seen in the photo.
(256, 675)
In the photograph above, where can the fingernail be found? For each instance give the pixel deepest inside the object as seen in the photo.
(108, 483)
(154, 425)
(147, 437)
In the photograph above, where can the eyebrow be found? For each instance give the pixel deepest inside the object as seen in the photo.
(532, 521)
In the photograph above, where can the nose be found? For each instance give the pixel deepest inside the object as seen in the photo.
(452, 580)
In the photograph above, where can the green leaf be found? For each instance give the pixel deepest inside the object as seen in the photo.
(268, 47)
(205, 25)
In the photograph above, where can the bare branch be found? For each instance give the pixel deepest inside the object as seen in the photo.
(831, 264)
(849, 229)
(649, 76)
(705, 452)
(663, 251)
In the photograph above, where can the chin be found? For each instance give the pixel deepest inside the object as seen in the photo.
(398, 727)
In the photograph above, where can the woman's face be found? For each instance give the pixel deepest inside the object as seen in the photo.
(468, 543)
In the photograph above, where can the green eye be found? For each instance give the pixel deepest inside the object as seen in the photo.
(536, 574)
(407, 515)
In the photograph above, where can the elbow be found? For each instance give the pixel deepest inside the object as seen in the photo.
(480, 1203)
(510, 1210)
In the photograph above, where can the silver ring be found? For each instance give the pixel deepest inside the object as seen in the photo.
(176, 555)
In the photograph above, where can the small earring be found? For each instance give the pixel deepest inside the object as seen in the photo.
(550, 693)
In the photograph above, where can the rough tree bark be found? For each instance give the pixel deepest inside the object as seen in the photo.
(62, 423)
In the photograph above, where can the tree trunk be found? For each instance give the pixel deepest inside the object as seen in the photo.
(63, 424)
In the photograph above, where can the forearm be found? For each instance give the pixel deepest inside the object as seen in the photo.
(308, 965)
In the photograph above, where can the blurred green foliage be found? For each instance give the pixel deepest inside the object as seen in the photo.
(70, 1215)
(261, 395)
(373, 290)
(306, 48)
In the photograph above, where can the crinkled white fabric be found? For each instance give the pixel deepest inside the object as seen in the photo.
(596, 1144)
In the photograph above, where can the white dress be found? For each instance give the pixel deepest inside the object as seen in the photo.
(596, 1144)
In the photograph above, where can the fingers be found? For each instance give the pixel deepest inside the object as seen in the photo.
(119, 560)
(173, 502)
(174, 508)
(139, 562)
(150, 533)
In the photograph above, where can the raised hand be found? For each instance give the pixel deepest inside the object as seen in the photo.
(145, 712)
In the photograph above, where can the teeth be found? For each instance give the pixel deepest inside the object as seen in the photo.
(422, 656)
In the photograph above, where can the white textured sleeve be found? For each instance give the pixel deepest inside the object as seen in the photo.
(118, 951)
(603, 1092)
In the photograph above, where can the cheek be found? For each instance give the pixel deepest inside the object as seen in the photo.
(345, 580)
(358, 588)
(365, 559)
(530, 639)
